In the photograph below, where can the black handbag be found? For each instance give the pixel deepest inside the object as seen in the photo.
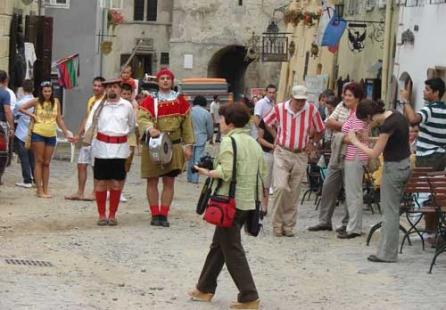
(254, 221)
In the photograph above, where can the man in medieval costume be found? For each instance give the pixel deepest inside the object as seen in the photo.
(167, 112)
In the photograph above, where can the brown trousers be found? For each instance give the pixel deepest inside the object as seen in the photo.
(226, 248)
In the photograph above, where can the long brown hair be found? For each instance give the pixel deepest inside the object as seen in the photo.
(41, 98)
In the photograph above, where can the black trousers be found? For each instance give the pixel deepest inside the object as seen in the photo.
(226, 248)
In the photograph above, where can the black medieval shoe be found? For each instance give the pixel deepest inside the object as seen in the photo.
(341, 229)
(155, 220)
(376, 259)
(163, 221)
(346, 235)
(320, 227)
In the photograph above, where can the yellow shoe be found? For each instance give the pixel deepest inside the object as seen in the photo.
(246, 305)
(196, 295)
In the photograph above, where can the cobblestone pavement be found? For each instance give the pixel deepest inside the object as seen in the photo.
(137, 266)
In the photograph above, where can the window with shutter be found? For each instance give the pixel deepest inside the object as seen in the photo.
(164, 59)
(138, 10)
(152, 10)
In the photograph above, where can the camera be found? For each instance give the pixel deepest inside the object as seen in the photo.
(206, 162)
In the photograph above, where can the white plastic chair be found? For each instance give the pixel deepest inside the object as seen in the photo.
(61, 139)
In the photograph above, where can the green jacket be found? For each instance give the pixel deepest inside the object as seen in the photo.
(249, 161)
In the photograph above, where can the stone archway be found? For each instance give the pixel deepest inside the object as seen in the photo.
(230, 63)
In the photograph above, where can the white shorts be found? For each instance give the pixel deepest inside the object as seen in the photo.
(84, 155)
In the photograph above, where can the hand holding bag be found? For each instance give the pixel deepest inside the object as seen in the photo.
(221, 209)
(254, 221)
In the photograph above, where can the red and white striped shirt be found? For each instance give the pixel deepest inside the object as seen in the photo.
(293, 129)
(356, 125)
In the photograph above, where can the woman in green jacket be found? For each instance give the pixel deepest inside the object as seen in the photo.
(226, 247)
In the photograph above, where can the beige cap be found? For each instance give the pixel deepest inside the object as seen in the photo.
(299, 92)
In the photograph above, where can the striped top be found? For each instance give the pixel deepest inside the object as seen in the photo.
(293, 129)
(432, 135)
(356, 125)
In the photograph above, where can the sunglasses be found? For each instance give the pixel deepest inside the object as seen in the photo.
(46, 84)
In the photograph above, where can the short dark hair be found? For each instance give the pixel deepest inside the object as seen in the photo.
(326, 93)
(235, 113)
(3, 76)
(436, 84)
(126, 87)
(270, 86)
(356, 90)
(332, 101)
(367, 107)
(215, 97)
(28, 86)
(99, 79)
(200, 100)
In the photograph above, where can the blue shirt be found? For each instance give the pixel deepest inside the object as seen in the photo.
(203, 125)
(5, 99)
(21, 132)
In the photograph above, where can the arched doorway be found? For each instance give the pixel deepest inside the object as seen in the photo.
(230, 63)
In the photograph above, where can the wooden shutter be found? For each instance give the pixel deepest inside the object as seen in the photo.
(39, 31)
(152, 10)
(46, 46)
(138, 10)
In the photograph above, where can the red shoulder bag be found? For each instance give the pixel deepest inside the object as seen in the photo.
(221, 210)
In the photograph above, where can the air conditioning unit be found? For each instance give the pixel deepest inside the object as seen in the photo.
(381, 4)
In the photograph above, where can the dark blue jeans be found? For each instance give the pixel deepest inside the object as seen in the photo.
(26, 160)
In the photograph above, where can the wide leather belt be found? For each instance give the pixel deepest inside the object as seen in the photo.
(110, 139)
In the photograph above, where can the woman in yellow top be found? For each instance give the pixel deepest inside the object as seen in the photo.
(46, 118)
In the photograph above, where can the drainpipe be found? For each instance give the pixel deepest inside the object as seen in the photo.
(387, 49)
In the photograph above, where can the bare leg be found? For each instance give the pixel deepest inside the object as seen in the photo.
(38, 150)
(81, 181)
(152, 191)
(168, 190)
(49, 150)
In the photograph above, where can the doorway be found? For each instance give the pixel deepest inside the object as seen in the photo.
(231, 63)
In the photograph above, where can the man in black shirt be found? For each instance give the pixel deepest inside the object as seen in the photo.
(266, 141)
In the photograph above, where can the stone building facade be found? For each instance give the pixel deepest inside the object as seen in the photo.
(209, 38)
(146, 20)
(361, 53)
(196, 38)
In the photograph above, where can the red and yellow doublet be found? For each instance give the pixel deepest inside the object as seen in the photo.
(172, 116)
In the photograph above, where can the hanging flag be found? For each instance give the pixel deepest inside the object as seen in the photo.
(68, 71)
(331, 28)
(327, 14)
(334, 31)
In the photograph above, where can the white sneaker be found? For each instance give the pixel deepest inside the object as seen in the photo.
(122, 198)
(25, 185)
(271, 191)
